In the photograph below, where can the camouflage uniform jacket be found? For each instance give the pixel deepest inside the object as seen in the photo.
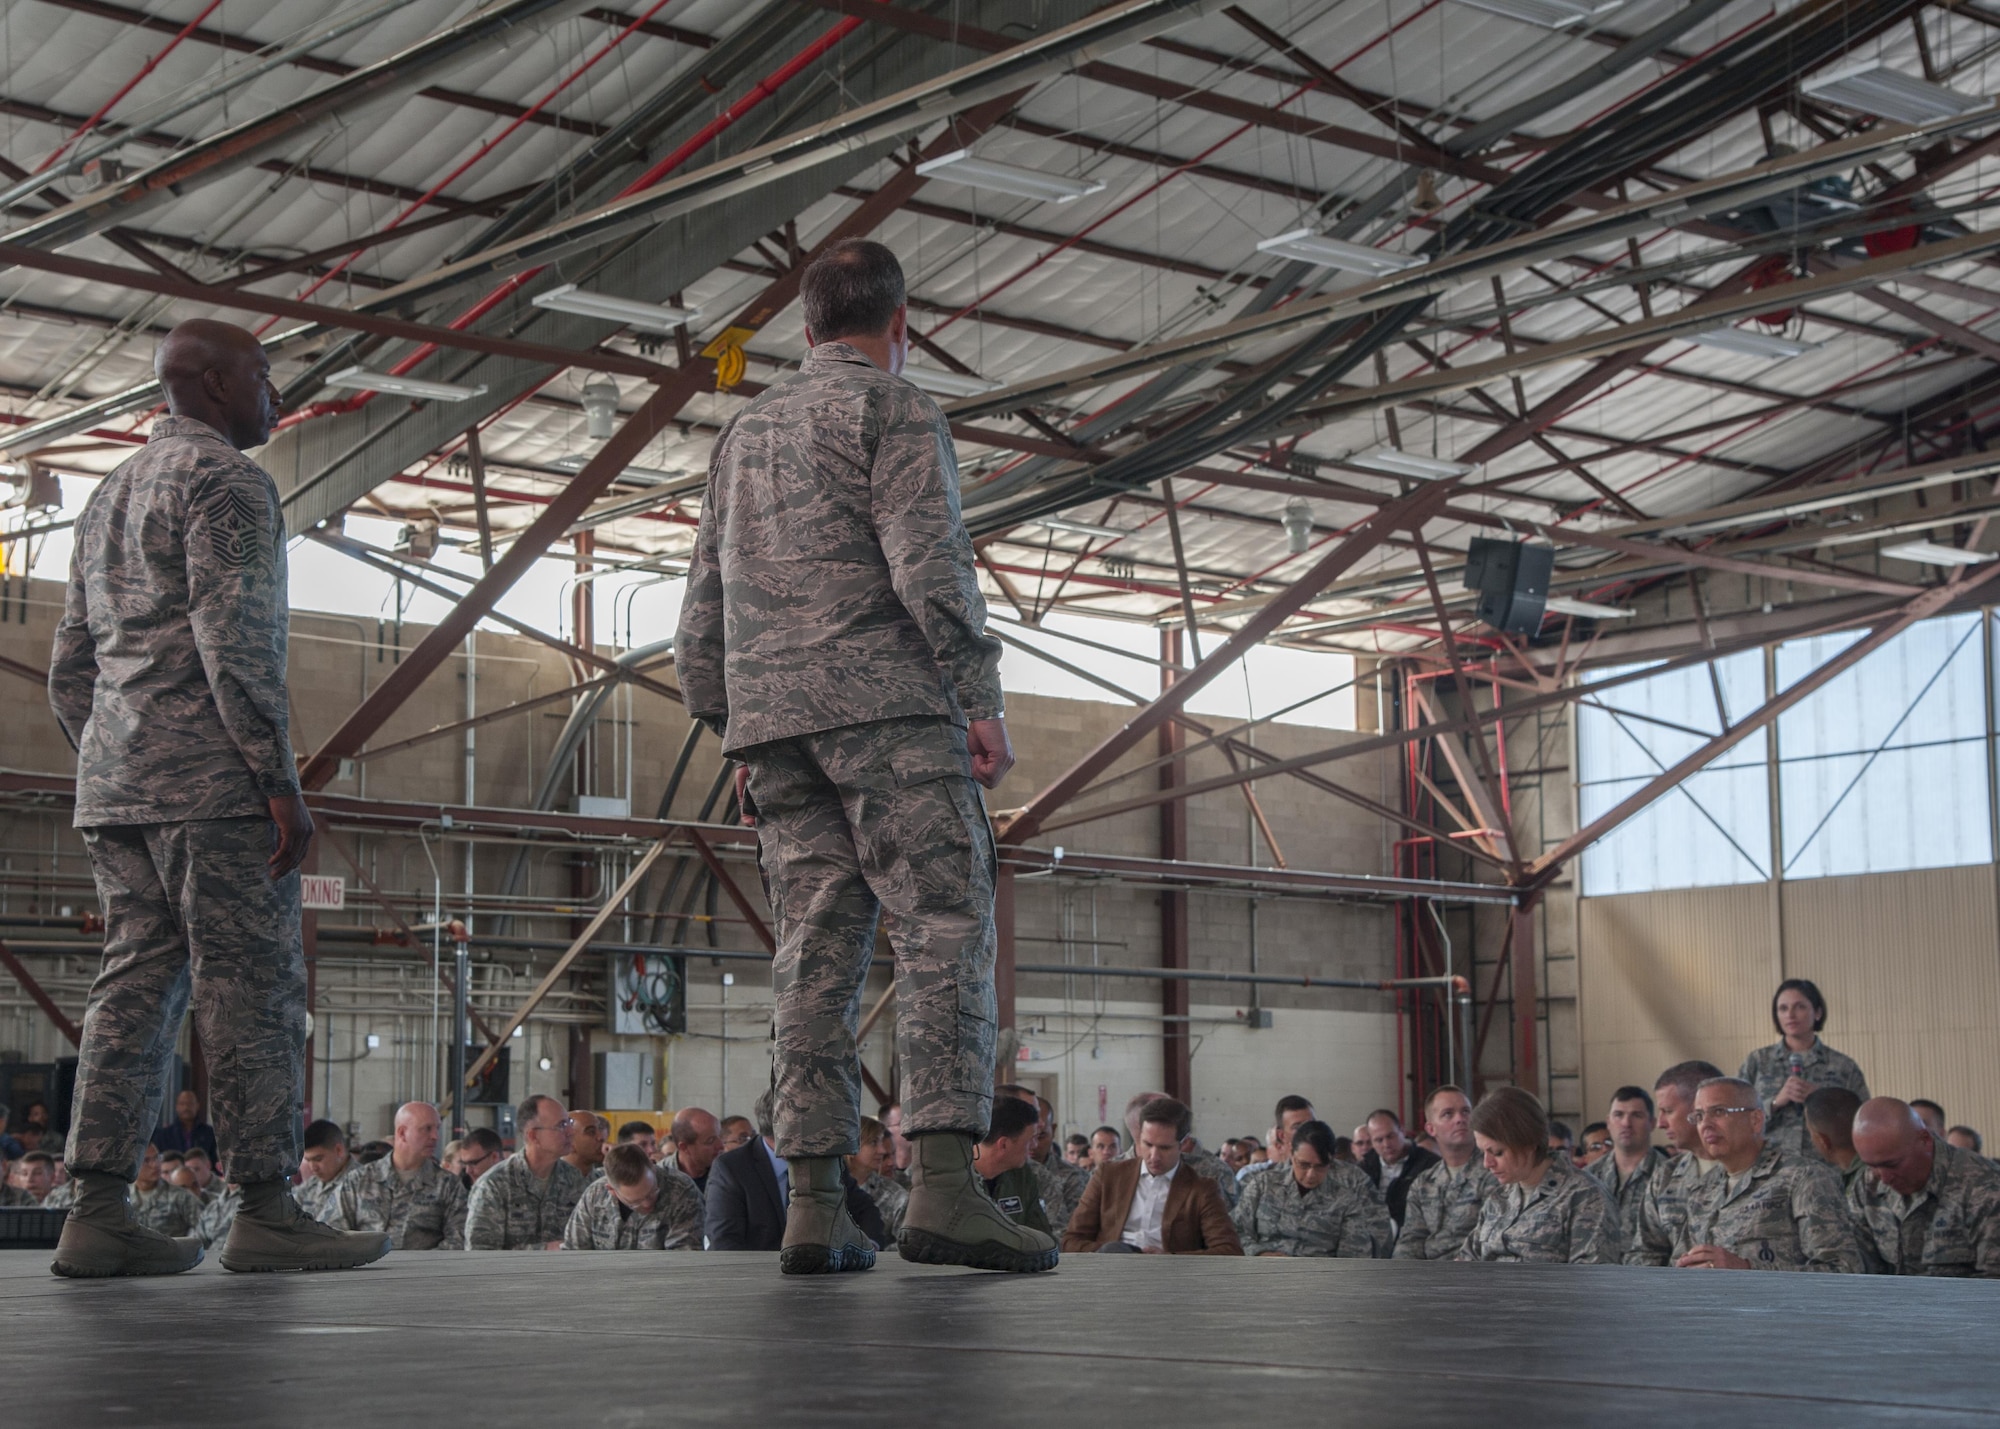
(832, 582)
(1442, 1209)
(1784, 1213)
(891, 1200)
(1208, 1164)
(217, 1217)
(601, 1222)
(1767, 1069)
(1344, 1215)
(1628, 1195)
(14, 1198)
(511, 1210)
(1951, 1227)
(1663, 1209)
(423, 1210)
(168, 673)
(315, 1195)
(1566, 1217)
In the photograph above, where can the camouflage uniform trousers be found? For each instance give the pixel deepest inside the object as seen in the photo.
(510, 1210)
(1442, 1208)
(1663, 1209)
(852, 823)
(1566, 1217)
(1949, 1228)
(1785, 1213)
(601, 1222)
(891, 1200)
(192, 904)
(423, 1210)
(1344, 1215)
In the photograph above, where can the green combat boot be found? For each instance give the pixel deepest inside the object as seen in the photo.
(952, 1221)
(820, 1237)
(100, 1237)
(270, 1232)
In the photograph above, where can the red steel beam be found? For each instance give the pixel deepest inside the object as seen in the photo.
(40, 995)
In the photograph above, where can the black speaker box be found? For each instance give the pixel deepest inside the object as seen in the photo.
(1512, 578)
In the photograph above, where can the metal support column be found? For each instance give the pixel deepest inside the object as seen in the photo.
(1527, 1069)
(461, 1030)
(1175, 1048)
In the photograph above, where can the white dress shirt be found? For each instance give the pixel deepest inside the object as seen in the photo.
(1149, 1204)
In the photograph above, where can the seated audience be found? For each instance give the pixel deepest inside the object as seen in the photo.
(1663, 1212)
(1324, 1207)
(168, 1209)
(586, 1145)
(1966, 1139)
(1142, 1204)
(480, 1151)
(1105, 1145)
(1544, 1208)
(324, 1162)
(642, 1135)
(1930, 1114)
(406, 1195)
(1292, 1111)
(1830, 1123)
(1444, 1202)
(1393, 1160)
(1254, 1153)
(869, 1166)
(748, 1191)
(1001, 1159)
(635, 1205)
(1628, 1167)
(217, 1215)
(525, 1201)
(1925, 1207)
(1797, 1065)
(1769, 1209)
(201, 1165)
(1194, 1155)
(1343, 1150)
(35, 1173)
(737, 1132)
(1062, 1184)
(1562, 1141)
(187, 1129)
(1594, 1146)
(697, 1139)
(1076, 1151)
(1233, 1155)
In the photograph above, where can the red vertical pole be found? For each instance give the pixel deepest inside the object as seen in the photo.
(1176, 1062)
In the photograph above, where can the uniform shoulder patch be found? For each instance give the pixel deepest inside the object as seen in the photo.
(232, 512)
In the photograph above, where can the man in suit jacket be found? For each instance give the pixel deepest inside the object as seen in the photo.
(746, 1196)
(1151, 1203)
(1404, 1158)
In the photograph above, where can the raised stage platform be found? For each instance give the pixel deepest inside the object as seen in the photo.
(651, 1339)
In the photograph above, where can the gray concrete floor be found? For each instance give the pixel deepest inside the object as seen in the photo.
(638, 1339)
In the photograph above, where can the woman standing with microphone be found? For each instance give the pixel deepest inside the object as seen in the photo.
(1797, 1065)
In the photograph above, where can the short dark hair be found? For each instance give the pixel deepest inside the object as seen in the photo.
(852, 290)
(1561, 1131)
(1633, 1094)
(1595, 1126)
(194, 1151)
(372, 1151)
(1916, 1102)
(1113, 1132)
(1806, 989)
(174, 1156)
(1515, 1119)
(1978, 1141)
(529, 1109)
(1394, 1120)
(1830, 1112)
(1319, 1136)
(38, 1158)
(729, 1121)
(1343, 1148)
(1011, 1117)
(1685, 1077)
(485, 1138)
(635, 1128)
(324, 1133)
(625, 1164)
(1294, 1102)
(1166, 1111)
(1077, 1138)
(1439, 1090)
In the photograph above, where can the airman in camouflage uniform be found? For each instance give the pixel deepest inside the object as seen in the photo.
(15, 1198)
(1442, 1209)
(602, 1222)
(1923, 1206)
(212, 1227)
(1203, 1162)
(1628, 1193)
(1769, 1068)
(420, 1209)
(1061, 1186)
(1784, 1213)
(315, 1195)
(511, 1210)
(833, 633)
(1566, 1216)
(1344, 1215)
(891, 1199)
(1661, 1223)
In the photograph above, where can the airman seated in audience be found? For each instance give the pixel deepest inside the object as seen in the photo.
(698, 1140)
(1830, 1123)
(1105, 1145)
(479, 1152)
(1930, 1114)
(1323, 1207)
(1001, 1158)
(1925, 1207)
(1663, 1213)
(586, 1146)
(406, 1195)
(1628, 1168)
(1545, 1209)
(1594, 1145)
(1444, 1203)
(635, 1205)
(324, 1162)
(642, 1135)
(1966, 1139)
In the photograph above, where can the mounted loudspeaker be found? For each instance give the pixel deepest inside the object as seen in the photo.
(1512, 578)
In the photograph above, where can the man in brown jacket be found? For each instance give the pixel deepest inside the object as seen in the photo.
(1146, 1204)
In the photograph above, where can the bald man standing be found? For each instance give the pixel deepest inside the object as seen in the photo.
(1923, 1206)
(168, 675)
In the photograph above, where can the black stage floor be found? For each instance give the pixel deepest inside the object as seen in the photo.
(646, 1339)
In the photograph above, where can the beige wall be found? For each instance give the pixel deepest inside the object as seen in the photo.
(1909, 963)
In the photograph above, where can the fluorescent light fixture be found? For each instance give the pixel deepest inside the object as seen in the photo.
(1302, 245)
(364, 380)
(1874, 88)
(1080, 528)
(1564, 605)
(1416, 464)
(646, 475)
(654, 317)
(1930, 553)
(1745, 343)
(1549, 14)
(940, 383)
(960, 167)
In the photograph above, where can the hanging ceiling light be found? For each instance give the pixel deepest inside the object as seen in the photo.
(1081, 528)
(1746, 343)
(1302, 245)
(654, 317)
(1565, 605)
(960, 167)
(1872, 87)
(940, 383)
(600, 408)
(1416, 464)
(1298, 525)
(1549, 14)
(1930, 553)
(362, 379)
